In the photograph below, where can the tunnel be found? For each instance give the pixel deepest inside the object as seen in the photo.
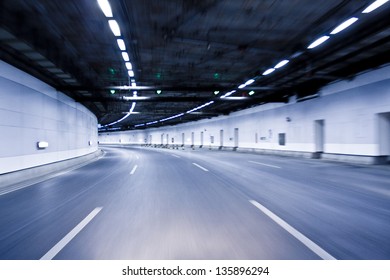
(194, 130)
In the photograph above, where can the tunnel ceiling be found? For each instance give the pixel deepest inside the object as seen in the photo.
(187, 54)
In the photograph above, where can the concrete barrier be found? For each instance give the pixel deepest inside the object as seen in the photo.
(30, 175)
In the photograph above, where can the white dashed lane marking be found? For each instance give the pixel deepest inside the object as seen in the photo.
(306, 241)
(64, 241)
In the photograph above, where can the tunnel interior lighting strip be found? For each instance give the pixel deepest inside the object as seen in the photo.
(249, 82)
(200, 107)
(125, 56)
(228, 94)
(318, 42)
(114, 26)
(106, 8)
(121, 44)
(268, 71)
(129, 66)
(374, 6)
(281, 64)
(344, 25)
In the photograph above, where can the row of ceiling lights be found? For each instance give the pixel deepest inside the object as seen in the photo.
(344, 25)
(114, 26)
(376, 4)
(282, 63)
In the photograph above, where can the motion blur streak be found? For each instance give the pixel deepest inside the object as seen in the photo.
(171, 209)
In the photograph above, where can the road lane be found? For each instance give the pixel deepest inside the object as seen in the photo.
(35, 218)
(169, 208)
(344, 207)
(172, 210)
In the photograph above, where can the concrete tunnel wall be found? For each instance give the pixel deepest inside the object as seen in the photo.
(32, 111)
(350, 121)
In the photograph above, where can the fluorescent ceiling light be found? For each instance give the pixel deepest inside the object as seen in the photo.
(344, 25)
(114, 27)
(251, 92)
(131, 73)
(281, 64)
(106, 8)
(128, 114)
(129, 66)
(318, 42)
(125, 56)
(135, 98)
(269, 71)
(228, 94)
(121, 44)
(251, 81)
(374, 6)
(242, 86)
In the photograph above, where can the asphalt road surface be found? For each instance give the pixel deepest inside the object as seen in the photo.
(154, 203)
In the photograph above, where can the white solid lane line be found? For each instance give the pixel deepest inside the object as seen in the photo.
(259, 163)
(175, 155)
(201, 167)
(133, 170)
(64, 241)
(306, 241)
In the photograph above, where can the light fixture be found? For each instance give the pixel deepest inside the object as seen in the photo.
(318, 42)
(129, 66)
(131, 73)
(242, 86)
(127, 115)
(121, 44)
(344, 25)
(42, 144)
(216, 92)
(114, 27)
(158, 91)
(125, 56)
(269, 71)
(281, 64)
(251, 81)
(374, 6)
(170, 118)
(135, 97)
(251, 92)
(134, 84)
(106, 8)
(228, 94)
(112, 91)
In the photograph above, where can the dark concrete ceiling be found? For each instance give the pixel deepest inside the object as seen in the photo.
(189, 49)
